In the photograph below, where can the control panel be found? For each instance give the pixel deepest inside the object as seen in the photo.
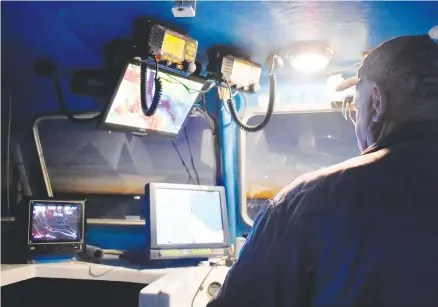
(187, 253)
(194, 287)
(60, 249)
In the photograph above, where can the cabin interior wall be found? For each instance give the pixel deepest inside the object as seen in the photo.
(353, 27)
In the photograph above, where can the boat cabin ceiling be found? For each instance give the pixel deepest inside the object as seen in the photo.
(73, 34)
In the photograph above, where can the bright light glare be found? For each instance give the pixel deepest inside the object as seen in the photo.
(310, 62)
(434, 33)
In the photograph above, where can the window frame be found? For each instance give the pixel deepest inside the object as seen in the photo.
(242, 179)
(45, 172)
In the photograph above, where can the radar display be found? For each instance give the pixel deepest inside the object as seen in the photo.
(188, 217)
(56, 223)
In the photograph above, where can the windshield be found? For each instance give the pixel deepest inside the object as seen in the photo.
(292, 144)
(109, 168)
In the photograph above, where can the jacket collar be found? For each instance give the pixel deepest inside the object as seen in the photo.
(407, 133)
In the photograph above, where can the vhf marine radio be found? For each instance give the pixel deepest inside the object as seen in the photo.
(238, 72)
(242, 74)
(168, 50)
(231, 70)
(172, 50)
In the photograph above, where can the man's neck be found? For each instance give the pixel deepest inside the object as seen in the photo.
(394, 132)
(387, 130)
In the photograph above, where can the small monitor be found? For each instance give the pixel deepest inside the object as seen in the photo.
(56, 222)
(186, 221)
(177, 99)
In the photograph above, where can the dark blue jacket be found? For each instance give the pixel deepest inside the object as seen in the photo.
(361, 233)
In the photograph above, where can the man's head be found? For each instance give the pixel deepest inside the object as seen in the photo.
(397, 83)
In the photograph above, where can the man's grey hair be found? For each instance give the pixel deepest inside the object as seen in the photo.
(412, 88)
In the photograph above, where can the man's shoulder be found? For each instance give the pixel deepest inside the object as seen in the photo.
(333, 181)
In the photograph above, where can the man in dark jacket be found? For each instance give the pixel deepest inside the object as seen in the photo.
(364, 232)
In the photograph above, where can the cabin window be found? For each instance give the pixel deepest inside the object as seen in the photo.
(111, 169)
(292, 144)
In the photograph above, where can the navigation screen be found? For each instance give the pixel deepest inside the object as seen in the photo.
(188, 217)
(55, 222)
(178, 97)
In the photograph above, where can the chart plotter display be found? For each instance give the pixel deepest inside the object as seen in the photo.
(178, 96)
(188, 217)
(55, 222)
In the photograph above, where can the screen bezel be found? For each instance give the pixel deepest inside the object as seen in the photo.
(151, 218)
(123, 128)
(57, 202)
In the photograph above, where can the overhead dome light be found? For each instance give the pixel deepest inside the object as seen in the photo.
(310, 62)
(309, 57)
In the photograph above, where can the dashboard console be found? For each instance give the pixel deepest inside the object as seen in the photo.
(194, 286)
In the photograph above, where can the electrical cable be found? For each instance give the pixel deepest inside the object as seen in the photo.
(269, 112)
(245, 100)
(224, 105)
(63, 106)
(183, 163)
(191, 156)
(190, 90)
(90, 267)
(149, 111)
(213, 125)
(46, 68)
(8, 155)
(210, 122)
(203, 109)
(203, 281)
(271, 104)
(208, 118)
(212, 85)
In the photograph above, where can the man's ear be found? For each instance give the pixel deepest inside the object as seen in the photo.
(379, 104)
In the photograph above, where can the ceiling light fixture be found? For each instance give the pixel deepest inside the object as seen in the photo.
(309, 57)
